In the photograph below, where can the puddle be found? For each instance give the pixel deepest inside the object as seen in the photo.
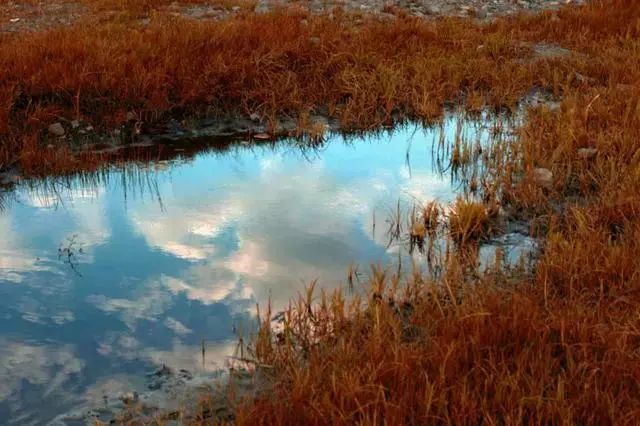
(106, 277)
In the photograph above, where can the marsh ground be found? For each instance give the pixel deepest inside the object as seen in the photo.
(557, 345)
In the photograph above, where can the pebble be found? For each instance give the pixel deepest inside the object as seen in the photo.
(262, 136)
(543, 177)
(587, 153)
(56, 129)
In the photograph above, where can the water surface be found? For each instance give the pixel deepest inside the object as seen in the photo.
(106, 277)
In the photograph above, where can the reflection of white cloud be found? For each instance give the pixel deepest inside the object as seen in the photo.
(177, 356)
(181, 356)
(291, 225)
(176, 326)
(14, 260)
(247, 262)
(184, 233)
(149, 305)
(424, 187)
(88, 225)
(47, 365)
(119, 344)
(187, 252)
(217, 292)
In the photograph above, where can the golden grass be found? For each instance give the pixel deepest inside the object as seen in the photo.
(282, 63)
(469, 221)
(560, 345)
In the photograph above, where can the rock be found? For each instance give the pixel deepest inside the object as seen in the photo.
(75, 124)
(9, 178)
(481, 14)
(262, 136)
(587, 153)
(236, 9)
(543, 177)
(254, 117)
(314, 40)
(129, 397)
(162, 371)
(56, 129)
(433, 9)
(304, 23)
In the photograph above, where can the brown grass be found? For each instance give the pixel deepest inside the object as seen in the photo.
(560, 345)
(282, 63)
(469, 221)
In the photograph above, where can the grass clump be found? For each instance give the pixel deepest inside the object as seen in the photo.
(468, 221)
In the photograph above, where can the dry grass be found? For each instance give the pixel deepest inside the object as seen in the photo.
(559, 346)
(282, 63)
(469, 221)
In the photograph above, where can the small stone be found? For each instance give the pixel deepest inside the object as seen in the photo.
(481, 14)
(314, 40)
(14, 20)
(543, 177)
(89, 128)
(129, 397)
(56, 129)
(75, 124)
(587, 153)
(304, 23)
(131, 116)
(236, 9)
(433, 9)
(254, 117)
(262, 136)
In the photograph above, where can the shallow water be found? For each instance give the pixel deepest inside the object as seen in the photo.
(106, 277)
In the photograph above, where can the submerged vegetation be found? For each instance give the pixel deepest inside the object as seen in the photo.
(558, 345)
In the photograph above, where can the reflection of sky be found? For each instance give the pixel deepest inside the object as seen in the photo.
(153, 278)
